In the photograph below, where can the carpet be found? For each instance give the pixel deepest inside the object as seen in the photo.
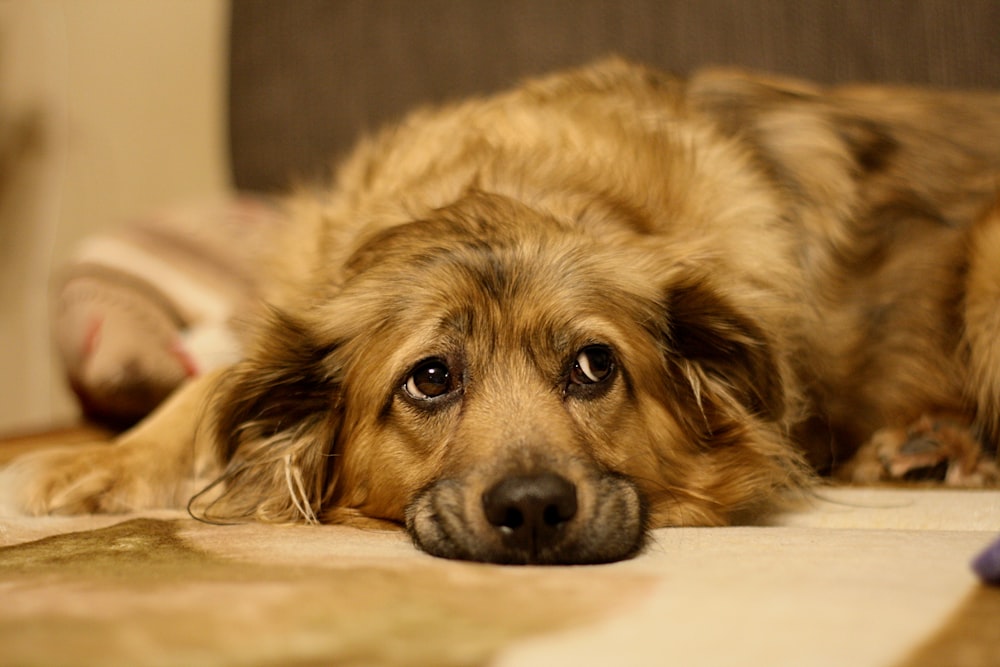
(863, 576)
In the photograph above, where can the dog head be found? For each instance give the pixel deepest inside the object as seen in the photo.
(511, 387)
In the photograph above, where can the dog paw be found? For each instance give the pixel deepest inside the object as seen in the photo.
(933, 448)
(80, 479)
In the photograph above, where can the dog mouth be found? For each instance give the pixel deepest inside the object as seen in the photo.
(530, 518)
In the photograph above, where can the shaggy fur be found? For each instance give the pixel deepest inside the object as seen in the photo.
(531, 326)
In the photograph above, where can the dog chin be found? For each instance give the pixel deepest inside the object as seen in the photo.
(529, 520)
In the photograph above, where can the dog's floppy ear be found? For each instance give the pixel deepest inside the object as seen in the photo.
(721, 353)
(275, 420)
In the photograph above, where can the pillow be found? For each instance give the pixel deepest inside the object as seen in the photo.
(140, 310)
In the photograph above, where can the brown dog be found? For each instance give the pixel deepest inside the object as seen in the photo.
(533, 325)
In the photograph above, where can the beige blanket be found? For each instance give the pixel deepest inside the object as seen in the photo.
(864, 577)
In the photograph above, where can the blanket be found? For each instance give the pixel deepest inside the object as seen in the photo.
(863, 576)
(139, 310)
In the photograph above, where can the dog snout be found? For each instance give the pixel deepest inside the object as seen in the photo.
(530, 511)
(540, 516)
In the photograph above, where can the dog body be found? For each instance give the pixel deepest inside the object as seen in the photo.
(530, 326)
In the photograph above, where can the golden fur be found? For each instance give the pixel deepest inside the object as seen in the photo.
(532, 325)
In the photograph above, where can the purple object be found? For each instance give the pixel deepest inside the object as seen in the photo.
(987, 564)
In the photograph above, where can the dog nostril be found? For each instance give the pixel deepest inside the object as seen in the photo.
(530, 509)
(513, 519)
(553, 515)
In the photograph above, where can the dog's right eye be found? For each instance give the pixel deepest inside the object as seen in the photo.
(428, 380)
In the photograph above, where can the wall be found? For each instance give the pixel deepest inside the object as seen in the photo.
(108, 109)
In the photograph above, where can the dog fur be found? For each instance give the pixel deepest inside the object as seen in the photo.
(530, 326)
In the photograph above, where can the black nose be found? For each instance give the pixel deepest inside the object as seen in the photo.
(529, 510)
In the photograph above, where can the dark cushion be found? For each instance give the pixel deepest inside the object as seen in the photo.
(307, 76)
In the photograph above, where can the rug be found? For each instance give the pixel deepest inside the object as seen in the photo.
(876, 576)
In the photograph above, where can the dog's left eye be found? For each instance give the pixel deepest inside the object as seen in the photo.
(429, 380)
(593, 364)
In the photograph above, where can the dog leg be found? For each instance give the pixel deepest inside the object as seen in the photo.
(935, 447)
(160, 463)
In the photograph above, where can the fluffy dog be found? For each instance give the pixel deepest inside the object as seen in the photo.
(532, 326)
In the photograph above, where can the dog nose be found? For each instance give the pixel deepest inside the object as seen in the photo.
(530, 509)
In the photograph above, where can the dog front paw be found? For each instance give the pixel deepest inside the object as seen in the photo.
(78, 479)
(933, 448)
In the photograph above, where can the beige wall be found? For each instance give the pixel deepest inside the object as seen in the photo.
(108, 108)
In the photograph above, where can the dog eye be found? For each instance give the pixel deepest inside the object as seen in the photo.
(594, 364)
(429, 380)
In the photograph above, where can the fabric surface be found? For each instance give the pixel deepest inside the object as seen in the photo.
(307, 77)
(140, 310)
(859, 577)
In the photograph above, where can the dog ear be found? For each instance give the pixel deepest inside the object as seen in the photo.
(721, 353)
(275, 422)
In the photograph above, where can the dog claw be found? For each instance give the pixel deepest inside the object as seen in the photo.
(930, 449)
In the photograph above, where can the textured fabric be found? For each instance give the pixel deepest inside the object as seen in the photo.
(139, 311)
(862, 578)
(308, 76)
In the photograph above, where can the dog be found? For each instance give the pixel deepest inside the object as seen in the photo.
(532, 326)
